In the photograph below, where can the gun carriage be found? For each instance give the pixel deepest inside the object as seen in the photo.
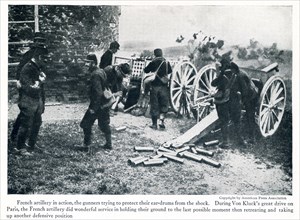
(191, 92)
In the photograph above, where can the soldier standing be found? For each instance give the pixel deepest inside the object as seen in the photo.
(39, 41)
(235, 87)
(106, 58)
(159, 93)
(31, 100)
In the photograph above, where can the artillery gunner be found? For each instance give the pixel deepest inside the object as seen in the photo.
(234, 88)
(159, 98)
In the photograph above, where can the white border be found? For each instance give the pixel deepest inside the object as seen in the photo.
(8, 199)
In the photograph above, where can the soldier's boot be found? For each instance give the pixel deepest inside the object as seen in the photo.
(33, 138)
(154, 122)
(21, 139)
(162, 121)
(108, 144)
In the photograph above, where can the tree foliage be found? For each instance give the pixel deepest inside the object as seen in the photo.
(68, 27)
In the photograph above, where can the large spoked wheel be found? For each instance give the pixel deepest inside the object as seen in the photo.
(181, 87)
(204, 92)
(272, 104)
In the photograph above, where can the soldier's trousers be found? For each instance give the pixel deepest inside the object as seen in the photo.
(30, 122)
(103, 123)
(250, 117)
(159, 100)
(230, 110)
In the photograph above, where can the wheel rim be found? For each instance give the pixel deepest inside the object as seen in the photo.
(181, 85)
(204, 91)
(272, 104)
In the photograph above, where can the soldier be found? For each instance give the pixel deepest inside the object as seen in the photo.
(39, 41)
(159, 94)
(234, 86)
(115, 81)
(100, 81)
(106, 58)
(31, 100)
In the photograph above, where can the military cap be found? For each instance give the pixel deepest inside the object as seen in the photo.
(91, 57)
(158, 52)
(125, 68)
(114, 45)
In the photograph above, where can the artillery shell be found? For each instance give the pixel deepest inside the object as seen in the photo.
(192, 156)
(209, 143)
(193, 150)
(122, 128)
(143, 148)
(210, 162)
(138, 160)
(165, 149)
(215, 131)
(182, 149)
(205, 152)
(153, 162)
(159, 155)
(189, 145)
(174, 158)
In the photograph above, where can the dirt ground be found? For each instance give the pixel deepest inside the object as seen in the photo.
(250, 170)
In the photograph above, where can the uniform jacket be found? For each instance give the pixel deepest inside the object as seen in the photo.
(106, 59)
(242, 84)
(30, 97)
(97, 84)
(164, 70)
(25, 59)
(114, 80)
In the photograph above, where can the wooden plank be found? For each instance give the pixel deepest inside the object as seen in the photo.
(198, 131)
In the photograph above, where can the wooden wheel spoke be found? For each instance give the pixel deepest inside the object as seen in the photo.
(207, 80)
(203, 98)
(267, 98)
(269, 122)
(278, 100)
(189, 86)
(178, 77)
(176, 88)
(189, 80)
(175, 96)
(263, 118)
(274, 113)
(203, 91)
(265, 122)
(263, 112)
(178, 83)
(276, 95)
(201, 113)
(204, 84)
